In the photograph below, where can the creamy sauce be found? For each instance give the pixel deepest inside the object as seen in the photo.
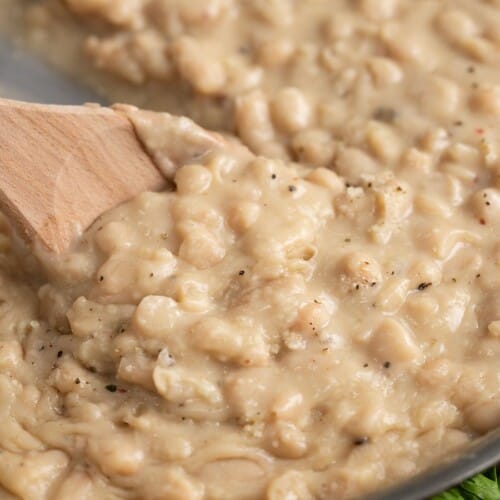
(213, 60)
(269, 329)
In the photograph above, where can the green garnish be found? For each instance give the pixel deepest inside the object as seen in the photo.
(485, 486)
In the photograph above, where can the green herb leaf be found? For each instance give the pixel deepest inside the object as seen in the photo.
(453, 494)
(484, 486)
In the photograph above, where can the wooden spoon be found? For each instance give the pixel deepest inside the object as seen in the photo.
(63, 166)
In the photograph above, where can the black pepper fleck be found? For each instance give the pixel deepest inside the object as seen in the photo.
(59, 354)
(77, 380)
(292, 188)
(111, 388)
(387, 364)
(385, 114)
(423, 286)
(361, 441)
(242, 272)
(101, 278)
(273, 176)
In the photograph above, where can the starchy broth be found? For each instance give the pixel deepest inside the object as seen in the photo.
(315, 317)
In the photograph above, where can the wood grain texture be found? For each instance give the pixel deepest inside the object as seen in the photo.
(63, 166)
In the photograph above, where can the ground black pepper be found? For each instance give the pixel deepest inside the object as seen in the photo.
(361, 441)
(385, 114)
(423, 286)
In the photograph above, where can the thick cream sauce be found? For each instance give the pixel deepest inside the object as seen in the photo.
(268, 329)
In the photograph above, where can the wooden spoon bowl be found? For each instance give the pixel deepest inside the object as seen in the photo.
(63, 166)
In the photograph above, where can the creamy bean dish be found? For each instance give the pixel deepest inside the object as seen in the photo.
(314, 317)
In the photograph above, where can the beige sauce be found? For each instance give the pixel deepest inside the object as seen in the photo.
(269, 329)
(310, 71)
